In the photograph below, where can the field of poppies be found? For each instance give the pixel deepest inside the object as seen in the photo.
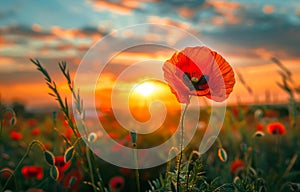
(256, 150)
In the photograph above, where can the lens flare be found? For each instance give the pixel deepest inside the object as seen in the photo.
(145, 89)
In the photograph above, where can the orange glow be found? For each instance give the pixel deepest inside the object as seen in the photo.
(268, 9)
(145, 94)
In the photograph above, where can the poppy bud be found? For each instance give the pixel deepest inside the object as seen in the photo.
(237, 180)
(92, 137)
(54, 118)
(259, 134)
(72, 181)
(13, 121)
(54, 174)
(244, 147)
(133, 136)
(258, 114)
(68, 154)
(49, 157)
(222, 154)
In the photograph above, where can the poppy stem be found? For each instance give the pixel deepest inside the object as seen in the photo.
(181, 146)
(88, 156)
(137, 174)
(133, 137)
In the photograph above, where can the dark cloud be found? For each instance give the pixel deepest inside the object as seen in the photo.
(22, 30)
(180, 3)
(271, 32)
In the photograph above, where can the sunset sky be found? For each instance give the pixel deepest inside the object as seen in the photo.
(248, 33)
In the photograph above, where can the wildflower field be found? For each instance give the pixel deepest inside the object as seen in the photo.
(257, 149)
(150, 96)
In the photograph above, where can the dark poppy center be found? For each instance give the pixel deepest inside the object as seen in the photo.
(118, 185)
(275, 131)
(194, 83)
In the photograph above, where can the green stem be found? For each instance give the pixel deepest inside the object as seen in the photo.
(181, 146)
(137, 174)
(101, 185)
(23, 158)
(90, 166)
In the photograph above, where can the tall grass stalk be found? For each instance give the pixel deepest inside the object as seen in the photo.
(65, 109)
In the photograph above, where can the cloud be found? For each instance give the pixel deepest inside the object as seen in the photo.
(120, 7)
(270, 32)
(34, 41)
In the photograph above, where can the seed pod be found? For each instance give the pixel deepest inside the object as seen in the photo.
(54, 174)
(69, 154)
(49, 157)
(222, 154)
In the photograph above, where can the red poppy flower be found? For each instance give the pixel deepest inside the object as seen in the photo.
(32, 172)
(236, 166)
(61, 165)
(259, 127)
(35, 132)
(276, 128)
(199, 71)
(125, 171)
(116, 183)
(68, 133)
(72, 180)
(15, 135)
(31, 122)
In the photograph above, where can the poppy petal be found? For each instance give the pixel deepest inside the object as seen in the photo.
(199, 62)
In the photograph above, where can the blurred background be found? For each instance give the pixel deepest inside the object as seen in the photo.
(260, 39)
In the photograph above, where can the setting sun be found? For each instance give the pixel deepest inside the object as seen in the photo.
(145, 89)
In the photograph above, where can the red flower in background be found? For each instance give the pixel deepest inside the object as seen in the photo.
(259, 127)
(116, 183)
(32, 172)
(72, 180)
(15, 135)
(236, 166)
(61, 165)
(276, 128)
(31, 122)
(199, 71)
(6, 172)
(35, 132)
(68, 133)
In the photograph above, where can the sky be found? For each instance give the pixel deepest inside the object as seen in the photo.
(247, 33)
